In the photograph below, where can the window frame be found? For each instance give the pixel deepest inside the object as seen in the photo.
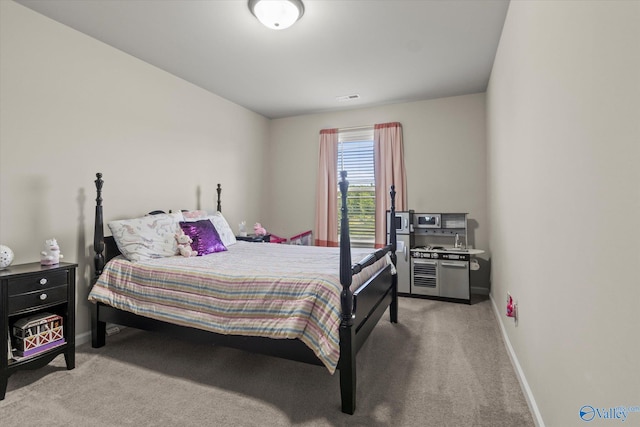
(364, 235)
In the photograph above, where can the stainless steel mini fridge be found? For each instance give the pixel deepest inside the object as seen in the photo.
(403, 222)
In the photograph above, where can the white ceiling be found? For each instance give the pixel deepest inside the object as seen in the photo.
(385, 51)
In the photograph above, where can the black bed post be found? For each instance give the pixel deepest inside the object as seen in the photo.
(98, 329)
(346, 298)
(98, 231)
(219, 205)
(393, 240)
(347, 363)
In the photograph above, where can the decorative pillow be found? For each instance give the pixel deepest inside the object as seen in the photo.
(204, 235)
(147, 237)
(194, 215)
(219, 222)
(223, 229)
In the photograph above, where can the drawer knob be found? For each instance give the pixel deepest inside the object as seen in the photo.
(43, 281)
(43, 297)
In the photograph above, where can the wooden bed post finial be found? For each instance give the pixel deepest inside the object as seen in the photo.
(98, 231)
(99, 181)
(219, 205)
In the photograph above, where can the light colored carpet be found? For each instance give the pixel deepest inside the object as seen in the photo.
(444, 364)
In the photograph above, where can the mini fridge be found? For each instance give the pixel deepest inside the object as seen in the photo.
(403, 223)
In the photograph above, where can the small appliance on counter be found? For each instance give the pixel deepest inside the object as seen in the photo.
(427, 221)
(441, 224)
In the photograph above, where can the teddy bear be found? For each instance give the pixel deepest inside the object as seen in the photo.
(51, 254)
(184, 245)
(259, 230)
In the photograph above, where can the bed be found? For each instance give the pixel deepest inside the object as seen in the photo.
(319, 309)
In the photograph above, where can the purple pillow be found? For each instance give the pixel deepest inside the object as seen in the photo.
(206, 239)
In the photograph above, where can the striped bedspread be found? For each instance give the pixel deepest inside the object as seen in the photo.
(256, 289)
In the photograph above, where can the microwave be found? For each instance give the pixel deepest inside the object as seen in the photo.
(425, 220)
(402, 222)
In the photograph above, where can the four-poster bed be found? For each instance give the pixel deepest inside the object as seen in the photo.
(360, 304)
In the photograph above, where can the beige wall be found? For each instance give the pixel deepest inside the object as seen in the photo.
(445, 155)
(563, 108)
(71, 106)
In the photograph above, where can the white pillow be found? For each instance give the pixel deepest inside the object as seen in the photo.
(151, 236)
(222, 227)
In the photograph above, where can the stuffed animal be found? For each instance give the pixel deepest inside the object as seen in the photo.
(51, 254)
(184, 245)
(259, 230)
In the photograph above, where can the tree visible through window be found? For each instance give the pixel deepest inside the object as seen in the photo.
(355, 155)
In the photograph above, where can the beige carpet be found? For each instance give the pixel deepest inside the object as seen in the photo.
(444, 364)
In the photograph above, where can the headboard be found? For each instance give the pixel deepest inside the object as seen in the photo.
(105, 247)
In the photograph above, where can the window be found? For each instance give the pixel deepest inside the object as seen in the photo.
(355, 155)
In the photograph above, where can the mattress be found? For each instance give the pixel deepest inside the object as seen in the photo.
(252, 289)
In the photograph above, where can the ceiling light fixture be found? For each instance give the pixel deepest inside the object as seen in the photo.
(277, 14)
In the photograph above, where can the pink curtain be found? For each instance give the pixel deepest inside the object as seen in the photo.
(388, 153)
(327, 190)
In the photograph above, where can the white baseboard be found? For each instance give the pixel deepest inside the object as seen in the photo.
(477, 290)
(83, 338)
(531, 401)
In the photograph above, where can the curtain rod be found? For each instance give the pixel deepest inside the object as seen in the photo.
(356, 127)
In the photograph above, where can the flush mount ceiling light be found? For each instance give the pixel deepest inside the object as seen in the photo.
(277, 14)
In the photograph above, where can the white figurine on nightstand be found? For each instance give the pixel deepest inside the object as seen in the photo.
(51, 254)
(242, 229)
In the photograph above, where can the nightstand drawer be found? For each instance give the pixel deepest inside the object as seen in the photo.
(36, 299)
(41, 282)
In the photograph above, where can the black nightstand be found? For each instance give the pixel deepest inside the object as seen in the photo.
(256, 239)
(30, 289)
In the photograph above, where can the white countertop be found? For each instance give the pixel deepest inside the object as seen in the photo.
(470, 251)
